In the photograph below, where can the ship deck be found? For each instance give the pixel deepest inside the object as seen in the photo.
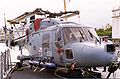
(28, 73)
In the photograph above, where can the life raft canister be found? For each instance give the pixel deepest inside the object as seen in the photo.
(37, 24)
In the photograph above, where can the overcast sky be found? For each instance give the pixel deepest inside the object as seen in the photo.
(95, 13)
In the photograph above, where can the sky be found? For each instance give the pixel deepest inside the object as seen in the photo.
(96, 13)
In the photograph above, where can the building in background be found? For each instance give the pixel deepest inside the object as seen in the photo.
(116, 26)
(2, 35)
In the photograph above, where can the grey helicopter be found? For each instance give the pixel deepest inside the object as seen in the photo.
(53, 42)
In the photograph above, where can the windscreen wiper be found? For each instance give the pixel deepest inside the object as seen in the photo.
(92, 36)
(81, 34)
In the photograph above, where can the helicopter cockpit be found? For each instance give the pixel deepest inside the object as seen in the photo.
(78, 34)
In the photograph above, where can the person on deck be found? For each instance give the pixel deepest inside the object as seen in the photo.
(106, 41)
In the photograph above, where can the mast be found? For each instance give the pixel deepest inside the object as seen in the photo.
(5, 27)
(65, 8)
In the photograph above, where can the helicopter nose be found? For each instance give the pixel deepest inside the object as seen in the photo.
(97, 56)
(88, 56)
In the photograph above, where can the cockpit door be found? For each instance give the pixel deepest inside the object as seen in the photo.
(59, 50)
(46, 45)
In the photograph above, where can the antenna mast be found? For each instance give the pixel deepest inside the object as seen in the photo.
(5, 27)
(65, 8)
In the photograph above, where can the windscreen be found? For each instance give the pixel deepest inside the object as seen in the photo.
(78, 34)
(90, 33)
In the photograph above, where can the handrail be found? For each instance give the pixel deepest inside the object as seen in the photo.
(5, 63)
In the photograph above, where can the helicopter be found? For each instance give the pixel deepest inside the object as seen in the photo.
(53, 42)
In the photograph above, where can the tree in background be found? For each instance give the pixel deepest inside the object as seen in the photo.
(107, 30)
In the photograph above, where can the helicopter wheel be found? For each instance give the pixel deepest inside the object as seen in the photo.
(19, 66)
(31, 66)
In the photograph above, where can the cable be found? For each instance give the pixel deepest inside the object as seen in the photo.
(58, 69)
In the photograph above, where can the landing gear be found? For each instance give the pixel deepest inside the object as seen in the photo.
(19, 66)
(31, 66)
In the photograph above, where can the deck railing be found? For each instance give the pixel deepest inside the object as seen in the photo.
(5, 63)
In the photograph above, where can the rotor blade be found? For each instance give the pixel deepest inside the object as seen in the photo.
(26, 15)
(67, 16)
(20, 37)
(17, 41)
(39, 11)
(19, 18)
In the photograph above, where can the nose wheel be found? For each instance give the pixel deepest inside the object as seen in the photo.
(19, 66)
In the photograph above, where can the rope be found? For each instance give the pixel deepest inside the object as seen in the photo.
(58, 69)
(86, 74)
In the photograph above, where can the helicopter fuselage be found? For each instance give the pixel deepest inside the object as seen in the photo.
(67, 43)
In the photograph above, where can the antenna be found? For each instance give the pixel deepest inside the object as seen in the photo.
(5, 26)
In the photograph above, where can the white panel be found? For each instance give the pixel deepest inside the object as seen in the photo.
(116, 26)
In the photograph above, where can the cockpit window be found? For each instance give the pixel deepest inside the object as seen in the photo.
(90, 33)
(73, 34)
(78, 34)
